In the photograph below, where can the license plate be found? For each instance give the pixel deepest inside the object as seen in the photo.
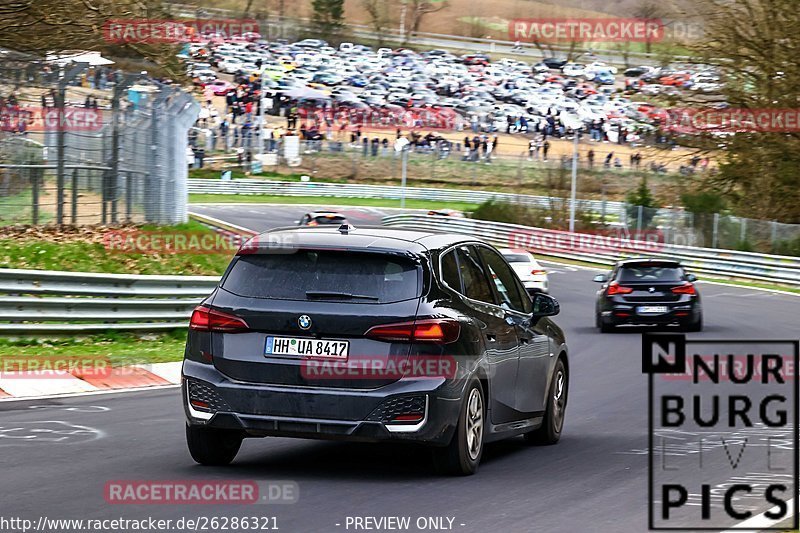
(291, 346)
(653, 309)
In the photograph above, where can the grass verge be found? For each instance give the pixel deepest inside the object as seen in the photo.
(316, 200)
(84, 250)
(120, 348)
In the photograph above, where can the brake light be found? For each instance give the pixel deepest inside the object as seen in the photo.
(616, 288)
(435, 330)
(686, 288)
(207, 319)
(537, 272)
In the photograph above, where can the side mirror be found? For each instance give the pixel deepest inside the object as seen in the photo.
(545, 305)
(691, 278)
(600, 278)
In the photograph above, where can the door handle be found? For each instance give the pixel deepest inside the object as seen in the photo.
(491, 338)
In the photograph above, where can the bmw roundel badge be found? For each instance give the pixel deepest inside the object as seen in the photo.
(304, 321)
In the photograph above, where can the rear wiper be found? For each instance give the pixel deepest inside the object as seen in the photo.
(342, 295)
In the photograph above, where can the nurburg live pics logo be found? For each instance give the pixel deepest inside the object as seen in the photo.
(722, 433)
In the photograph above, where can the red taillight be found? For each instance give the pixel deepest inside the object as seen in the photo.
(616, 288)
(686, 288)
(537, 272)
(441, 331)
(206, 319)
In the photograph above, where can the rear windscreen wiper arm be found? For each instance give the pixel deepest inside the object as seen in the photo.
(334, 294)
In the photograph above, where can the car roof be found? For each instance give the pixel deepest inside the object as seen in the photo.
(325, 214)
(362, 238)
(646, 260)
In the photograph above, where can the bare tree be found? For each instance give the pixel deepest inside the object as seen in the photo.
(753, 46)
(418, 9)
(379, 18)
(39, 26)
(649, 9)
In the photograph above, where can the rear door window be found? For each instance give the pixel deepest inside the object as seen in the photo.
(359, 277)
(450, 273)
(474, 277)
(505, 281)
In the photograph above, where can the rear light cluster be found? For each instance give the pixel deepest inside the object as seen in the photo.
(686, 288)
(538, 272)
(207, 319)
(433, 330)
(616, 288)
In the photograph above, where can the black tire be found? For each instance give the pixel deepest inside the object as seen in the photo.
(553, 423)
(605, 326)
(696, 325)
(462, 455)
(212, 447)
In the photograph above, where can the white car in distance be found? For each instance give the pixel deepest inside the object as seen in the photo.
(530, 272)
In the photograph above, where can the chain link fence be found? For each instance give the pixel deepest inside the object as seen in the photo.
(83, 143)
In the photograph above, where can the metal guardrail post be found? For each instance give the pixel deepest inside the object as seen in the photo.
(715, 231)
(128, 197)
(74, 202)
(404, 176)
(773, 233)
(639, 219)
(33, 173)
(742, 230)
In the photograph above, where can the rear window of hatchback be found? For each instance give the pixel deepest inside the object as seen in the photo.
(306, 274)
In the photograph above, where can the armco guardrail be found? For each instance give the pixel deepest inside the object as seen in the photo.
(390, 192)
(720, 263)
(41, 300)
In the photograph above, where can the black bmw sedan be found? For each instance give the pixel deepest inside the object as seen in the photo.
(648, 292)
(373, 334)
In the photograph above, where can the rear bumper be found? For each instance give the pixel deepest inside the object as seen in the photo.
(677, 313)
(536, 285)
(325, 413)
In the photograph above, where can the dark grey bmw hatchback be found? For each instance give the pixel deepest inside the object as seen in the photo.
(373, 334)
